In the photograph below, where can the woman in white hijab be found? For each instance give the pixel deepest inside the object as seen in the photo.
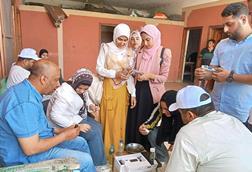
(135, 40)
(114, 64)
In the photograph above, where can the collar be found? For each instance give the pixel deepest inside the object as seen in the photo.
(33, 90)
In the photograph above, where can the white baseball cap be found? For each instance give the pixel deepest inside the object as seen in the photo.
(28, 53)
(189, 97)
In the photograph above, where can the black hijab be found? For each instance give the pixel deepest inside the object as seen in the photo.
(170, 126)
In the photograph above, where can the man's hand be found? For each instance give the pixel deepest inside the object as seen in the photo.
(201, 73)
(84, 127)
(220, 75)
(132, 102)
(143, 130)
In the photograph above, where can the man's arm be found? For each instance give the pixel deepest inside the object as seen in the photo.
(223, 74)
(34, 144)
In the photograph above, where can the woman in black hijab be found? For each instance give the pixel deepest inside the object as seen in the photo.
(162, 125)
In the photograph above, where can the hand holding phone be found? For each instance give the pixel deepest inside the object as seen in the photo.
(208, 68)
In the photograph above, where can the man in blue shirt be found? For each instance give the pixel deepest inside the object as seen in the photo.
(25, 135)
(232, 60)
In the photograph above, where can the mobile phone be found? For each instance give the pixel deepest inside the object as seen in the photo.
(137, 72)
(208, 68)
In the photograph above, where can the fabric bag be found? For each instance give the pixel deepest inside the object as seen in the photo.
(96, 89)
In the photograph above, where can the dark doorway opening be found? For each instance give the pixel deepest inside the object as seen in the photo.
(191, 53)
(106, 33)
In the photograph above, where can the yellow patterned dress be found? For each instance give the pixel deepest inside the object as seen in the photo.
(114, 103)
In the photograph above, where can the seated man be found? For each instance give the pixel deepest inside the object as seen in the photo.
(162, 125)
(25, 135)
(211, 140)
(20, 70)
(70, 104)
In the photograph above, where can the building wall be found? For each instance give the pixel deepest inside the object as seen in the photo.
(81, 36)
(206, 16)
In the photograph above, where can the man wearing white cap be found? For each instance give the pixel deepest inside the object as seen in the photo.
(211, 141)
(20, 70)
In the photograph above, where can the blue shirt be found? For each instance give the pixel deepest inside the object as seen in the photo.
(233, 98)
(21, 116)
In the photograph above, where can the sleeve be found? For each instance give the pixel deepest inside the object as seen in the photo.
(164, 68)
(58, 108)
(24, 120)
(131, 86)
(184, 156)
(154, 118)
(100, 65)
(215, 60)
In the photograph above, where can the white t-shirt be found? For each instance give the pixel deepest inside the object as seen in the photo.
(215, 142)
(16, 75)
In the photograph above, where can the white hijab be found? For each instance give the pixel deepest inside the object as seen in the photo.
(120, 30)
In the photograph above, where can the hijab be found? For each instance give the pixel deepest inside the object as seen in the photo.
(120, 30)
(136, 34)
(170, 126)
(155, 34)
(82, 76)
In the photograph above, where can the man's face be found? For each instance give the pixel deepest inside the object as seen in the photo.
(187, 116)
(233, 26)
(29, 63)
(44, 55)
(52, 82)
(121, 41)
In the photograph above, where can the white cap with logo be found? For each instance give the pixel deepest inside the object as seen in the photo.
(189, 97)
(28, 53)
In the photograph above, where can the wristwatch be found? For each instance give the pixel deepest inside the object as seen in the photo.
(230, 77)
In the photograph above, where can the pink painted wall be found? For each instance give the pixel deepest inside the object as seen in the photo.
(81, 39)
(205, 17)
(38, 32)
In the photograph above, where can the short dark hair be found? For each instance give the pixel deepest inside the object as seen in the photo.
(42, 51)
(235, 9)
(211, 40)
(201, 110)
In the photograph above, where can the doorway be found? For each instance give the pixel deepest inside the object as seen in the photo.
(192, 45)
(216, 33)
(106, 33)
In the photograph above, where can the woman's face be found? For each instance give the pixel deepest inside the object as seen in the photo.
(147, 40)
(44, 56)
(81, 89)
(121, 41)
(164, 109)
(135, 41)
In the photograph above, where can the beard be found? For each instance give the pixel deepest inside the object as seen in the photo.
(233, 36)
(236, 34)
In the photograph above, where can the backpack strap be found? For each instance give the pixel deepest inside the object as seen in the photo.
(162, 56)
